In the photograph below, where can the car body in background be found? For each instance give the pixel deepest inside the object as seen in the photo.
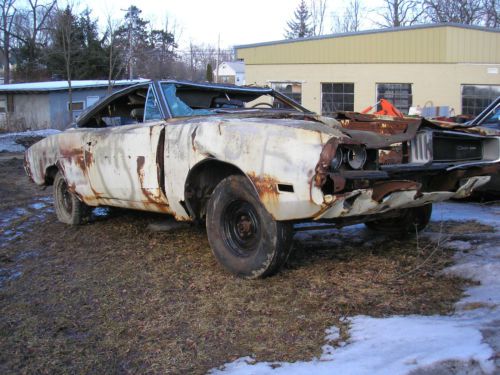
(251, 163)
(489, 118)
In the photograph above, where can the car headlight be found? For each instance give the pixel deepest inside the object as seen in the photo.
(337, 159)
(356, 157)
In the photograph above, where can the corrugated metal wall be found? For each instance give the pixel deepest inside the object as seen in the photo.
(444, 44)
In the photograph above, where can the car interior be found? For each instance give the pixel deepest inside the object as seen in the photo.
(184, 101)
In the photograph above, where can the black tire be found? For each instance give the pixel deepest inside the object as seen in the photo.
(244, 237)
(69, 209)
(410, 221)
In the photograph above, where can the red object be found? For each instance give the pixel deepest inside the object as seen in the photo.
(387, 109)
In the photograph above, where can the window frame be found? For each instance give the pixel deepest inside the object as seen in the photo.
(288, 95)
(343, 93)
(153, 91)
(82, 102)
(393, 100)
(477, 109)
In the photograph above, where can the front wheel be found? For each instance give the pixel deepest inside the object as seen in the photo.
(244, 237)
(69, 209)
(410, 221)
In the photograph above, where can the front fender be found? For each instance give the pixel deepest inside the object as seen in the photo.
(278, 158)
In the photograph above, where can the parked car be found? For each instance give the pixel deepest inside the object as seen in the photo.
(250, 163)
(489, 118)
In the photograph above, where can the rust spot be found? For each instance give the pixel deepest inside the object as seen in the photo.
(27, 166)
(193, 136)
(156, 202)
(267, 186)
(326, 156)
(390, 156)
(89, 159)
(338, 183)
(380, 127)
(381, 189)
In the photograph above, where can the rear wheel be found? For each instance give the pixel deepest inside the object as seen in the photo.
(410, 220)
(244, 237)
(69, 209)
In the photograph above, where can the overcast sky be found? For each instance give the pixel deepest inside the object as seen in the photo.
(201, 21)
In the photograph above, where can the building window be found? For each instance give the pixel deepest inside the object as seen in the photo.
(475, 98)
(291, 89)
(336, 97)
(75, 106)
(226, 79)
(398, 94)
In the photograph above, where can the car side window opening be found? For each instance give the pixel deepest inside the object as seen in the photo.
(151, 110)
(124, 110)
(186, 101)
(177, 107)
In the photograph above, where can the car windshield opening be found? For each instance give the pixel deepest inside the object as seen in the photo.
(186, 101)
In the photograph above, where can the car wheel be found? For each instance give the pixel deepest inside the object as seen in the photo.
(410, 221)
(69, 209)
(244, 237)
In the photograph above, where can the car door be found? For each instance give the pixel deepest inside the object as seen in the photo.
(125, 163)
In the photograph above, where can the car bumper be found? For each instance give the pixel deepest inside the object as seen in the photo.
(368, 202)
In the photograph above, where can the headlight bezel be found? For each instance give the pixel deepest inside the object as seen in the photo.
(356, 157)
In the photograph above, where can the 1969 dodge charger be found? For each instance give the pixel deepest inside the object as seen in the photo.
(251, 163)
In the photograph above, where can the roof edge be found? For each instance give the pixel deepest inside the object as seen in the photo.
(371, 31)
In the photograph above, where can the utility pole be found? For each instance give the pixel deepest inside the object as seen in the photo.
(217, 64)
(129, 53)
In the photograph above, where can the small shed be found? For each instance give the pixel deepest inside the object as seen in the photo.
(45, 105)
(231, 72)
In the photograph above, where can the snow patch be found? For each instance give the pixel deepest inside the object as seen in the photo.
(8, 140)
(458, 245)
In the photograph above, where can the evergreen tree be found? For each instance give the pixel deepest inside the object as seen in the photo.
(299, 26)
(210, 73)
(76, 50)
(92, 57)
(133, 37)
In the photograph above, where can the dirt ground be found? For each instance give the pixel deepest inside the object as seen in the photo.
(112, 296)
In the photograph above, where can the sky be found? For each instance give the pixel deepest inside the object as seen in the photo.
(201, 21)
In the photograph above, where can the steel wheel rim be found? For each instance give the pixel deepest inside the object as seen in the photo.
(240, 228)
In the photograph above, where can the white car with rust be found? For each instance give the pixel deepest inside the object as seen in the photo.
(251, 163)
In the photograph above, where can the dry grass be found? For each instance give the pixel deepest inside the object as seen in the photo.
(113, 297)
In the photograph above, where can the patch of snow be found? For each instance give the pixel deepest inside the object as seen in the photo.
(485, 214)
(401, 344)
(8, 140)
(332, 333)
(458, 245)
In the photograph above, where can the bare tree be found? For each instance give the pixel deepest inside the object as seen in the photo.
(350, 19)
(64, 30)
(469, 12)
(7, 15)
(32, 21)
(318, 10)
(491, 13)
(31, 31)
(396, 13)
(115, 57)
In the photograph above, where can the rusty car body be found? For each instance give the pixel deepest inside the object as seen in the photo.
(249, 162)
